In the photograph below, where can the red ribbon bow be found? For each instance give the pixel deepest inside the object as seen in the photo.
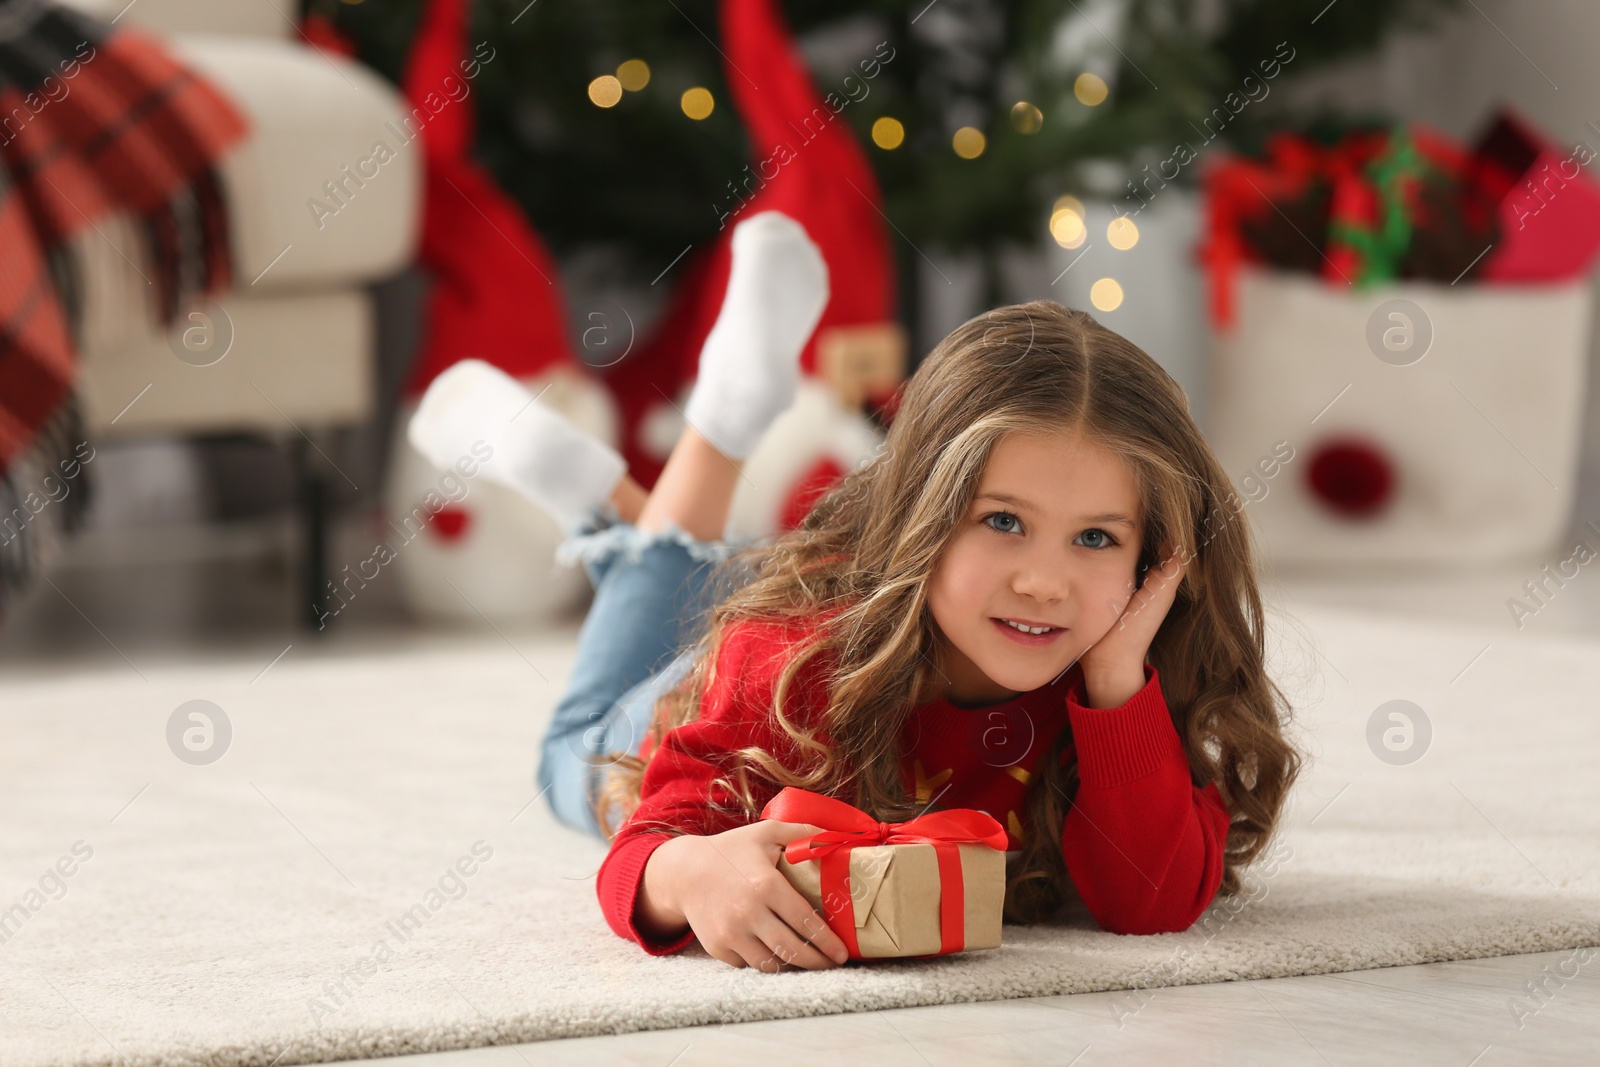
(845, 827)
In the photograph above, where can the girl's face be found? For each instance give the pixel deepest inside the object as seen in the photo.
(1052, 538)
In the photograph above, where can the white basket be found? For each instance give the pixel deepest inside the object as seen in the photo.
(1482, 432)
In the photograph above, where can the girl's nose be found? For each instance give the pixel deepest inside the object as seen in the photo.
(1041, 581)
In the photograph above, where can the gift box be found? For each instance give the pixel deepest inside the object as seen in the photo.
(930, 886)
(1549, 207)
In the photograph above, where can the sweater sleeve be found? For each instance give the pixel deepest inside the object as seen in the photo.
(676, 793)
(1142, 843)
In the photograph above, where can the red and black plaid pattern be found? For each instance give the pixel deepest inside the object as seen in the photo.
(95, 120)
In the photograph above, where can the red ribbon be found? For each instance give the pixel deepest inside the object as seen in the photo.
(845, 827)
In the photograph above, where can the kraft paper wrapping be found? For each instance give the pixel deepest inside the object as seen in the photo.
(896, 892)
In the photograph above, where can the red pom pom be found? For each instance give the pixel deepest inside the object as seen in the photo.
(1353, 477)
(451, 523)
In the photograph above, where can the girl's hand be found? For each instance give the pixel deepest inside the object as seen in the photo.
(745, 913)
(1118, 658)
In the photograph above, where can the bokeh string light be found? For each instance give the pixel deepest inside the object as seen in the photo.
(1026, 118)
(1106, 294)
(969, 142)
(697, 103)
(634, 75)
(1122, 233)
(605, 91)
(1066, 222)
(1090, 89)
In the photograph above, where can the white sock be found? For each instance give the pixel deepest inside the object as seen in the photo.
(537, 451)
(749, 366)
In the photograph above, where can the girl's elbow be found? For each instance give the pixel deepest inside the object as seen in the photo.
(1151, 915)
(1147, 924)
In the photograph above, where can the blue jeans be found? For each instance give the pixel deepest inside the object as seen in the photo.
(652, 592)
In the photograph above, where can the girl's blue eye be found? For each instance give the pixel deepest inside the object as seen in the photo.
(1107, 543)
(1107, 540)
(1000, 514)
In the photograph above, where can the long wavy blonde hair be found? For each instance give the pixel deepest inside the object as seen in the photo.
(868, 547)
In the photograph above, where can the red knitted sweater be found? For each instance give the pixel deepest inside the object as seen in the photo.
(1142, 844)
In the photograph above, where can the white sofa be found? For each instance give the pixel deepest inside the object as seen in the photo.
(288, 351)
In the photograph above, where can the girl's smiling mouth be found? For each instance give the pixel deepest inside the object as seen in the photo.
(1024, 637)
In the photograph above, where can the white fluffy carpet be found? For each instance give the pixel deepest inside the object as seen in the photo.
(222, 908)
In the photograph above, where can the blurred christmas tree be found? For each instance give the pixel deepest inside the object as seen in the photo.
(986, 113)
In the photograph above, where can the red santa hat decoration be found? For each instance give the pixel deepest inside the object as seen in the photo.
(806, 163)
(470, 549)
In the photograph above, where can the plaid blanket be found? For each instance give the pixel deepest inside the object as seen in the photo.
(95, 120)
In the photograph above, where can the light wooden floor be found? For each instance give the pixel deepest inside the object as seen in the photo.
(1477, 1012)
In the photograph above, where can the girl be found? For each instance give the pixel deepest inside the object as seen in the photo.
(1037, 600)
